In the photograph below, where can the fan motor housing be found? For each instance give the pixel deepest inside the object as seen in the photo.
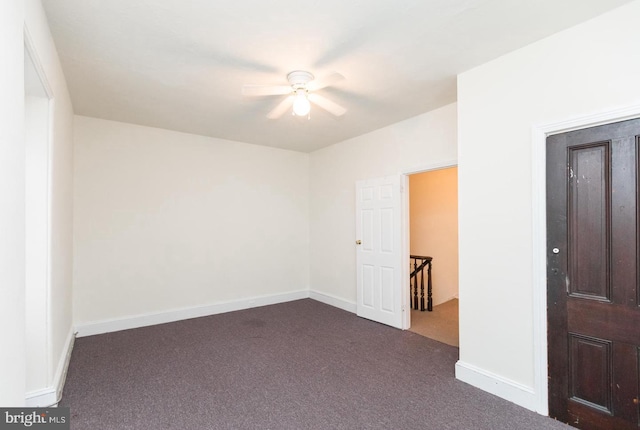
(299, 78)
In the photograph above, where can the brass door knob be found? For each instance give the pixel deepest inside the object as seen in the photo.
(636, 401)
(358, 242)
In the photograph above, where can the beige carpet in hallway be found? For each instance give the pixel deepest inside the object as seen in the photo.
(440, 325)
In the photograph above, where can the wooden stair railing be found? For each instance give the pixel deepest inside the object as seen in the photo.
(419, 263)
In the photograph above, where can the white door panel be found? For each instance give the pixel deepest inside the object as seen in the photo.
(379, 255)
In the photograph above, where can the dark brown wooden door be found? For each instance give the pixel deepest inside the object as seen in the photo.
(592, 276)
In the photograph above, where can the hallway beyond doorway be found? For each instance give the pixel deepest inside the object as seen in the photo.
(440, 325)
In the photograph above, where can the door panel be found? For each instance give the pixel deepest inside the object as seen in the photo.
(367, 285)
(366, 216)
(386, 285)
(589, 221)
(590, 376)
(386, 231)
(592, 276)
(379, 254)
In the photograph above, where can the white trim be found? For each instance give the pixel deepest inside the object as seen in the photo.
(539, 270)
(539, 135)
(49, 240)
(505, 388)
(35, 59)
(126, 323)
(144, 320)
(405, 239)
(429, 167)
(618, 114)
(41, 398)
(333, 301)
(50, 396)
(63, 364)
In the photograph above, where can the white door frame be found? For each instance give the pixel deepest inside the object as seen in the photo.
(38, 229)
(539, 135)
(405, 233)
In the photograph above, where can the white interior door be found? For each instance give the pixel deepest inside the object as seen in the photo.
(379, 250)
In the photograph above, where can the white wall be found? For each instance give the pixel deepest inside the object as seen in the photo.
(413, 144)
(167, 220)
(587, 69)
(15, 17)
(36, 121)
(61, 193)
(60, 183)
(433, 227)
(12, 329)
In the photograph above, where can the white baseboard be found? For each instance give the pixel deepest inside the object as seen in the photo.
(63, 364)
(126, 323)
(497, 385)
(41, 398)
(50, 396)
(333, 301)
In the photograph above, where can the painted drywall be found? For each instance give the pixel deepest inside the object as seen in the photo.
(36, 122)
(60, 183)
(433, 227)
(16, 17)
(584, 70)
(166, 221)
(12, 200)
(411, 145)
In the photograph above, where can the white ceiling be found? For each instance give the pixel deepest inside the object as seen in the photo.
(181, 64)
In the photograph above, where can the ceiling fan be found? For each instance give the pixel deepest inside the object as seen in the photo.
(301, 92)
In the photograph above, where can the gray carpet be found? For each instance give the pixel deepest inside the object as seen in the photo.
(296, 365)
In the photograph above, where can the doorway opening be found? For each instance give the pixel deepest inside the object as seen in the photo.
(433, 232)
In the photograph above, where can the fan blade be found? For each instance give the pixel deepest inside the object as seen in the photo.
(282, 107)
(265, 90)
(328, 105)
(327, 81)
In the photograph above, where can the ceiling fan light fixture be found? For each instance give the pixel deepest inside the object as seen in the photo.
(300, 93)
(301, 105)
